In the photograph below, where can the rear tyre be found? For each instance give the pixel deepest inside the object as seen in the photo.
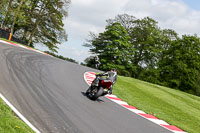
(88, 91)
(98, 94)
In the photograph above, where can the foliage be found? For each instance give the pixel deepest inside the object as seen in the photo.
(36, 21)
(113, 48)
(61, 57)
(140, 49)
(90, 62)
(145, 39)
(125, 20)
(181, 68)
(9, 123)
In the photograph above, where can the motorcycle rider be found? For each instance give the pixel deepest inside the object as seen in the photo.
(97, 62)
(111, 75)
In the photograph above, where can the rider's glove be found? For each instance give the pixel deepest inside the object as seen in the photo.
(99, 75)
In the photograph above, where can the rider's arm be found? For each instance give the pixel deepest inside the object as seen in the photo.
(102, 74)
(115, 79)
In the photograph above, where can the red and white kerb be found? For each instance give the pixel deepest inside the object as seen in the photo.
(90, 76)
(18, 45)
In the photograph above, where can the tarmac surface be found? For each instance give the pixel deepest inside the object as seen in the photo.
(49, 92)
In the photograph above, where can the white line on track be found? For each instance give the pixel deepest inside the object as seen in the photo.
(19, 114)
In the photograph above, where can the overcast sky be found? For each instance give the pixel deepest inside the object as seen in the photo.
(183, 16)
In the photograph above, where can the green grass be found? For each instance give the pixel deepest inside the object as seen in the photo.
(11, 41)
(9, 123)
(173, 106)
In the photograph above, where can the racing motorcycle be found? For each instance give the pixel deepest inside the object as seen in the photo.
(99, 87)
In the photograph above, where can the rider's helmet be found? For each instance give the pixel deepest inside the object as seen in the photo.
(114, 69)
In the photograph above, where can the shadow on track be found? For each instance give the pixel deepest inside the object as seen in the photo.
(98, 100)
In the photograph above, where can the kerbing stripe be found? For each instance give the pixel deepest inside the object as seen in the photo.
(174, 128)
(111, 95)
(128, 106)
(147, 116)
(114, 98)
(157, 121)
(137, 111)
(119, 102)
(19, 45)
(90, 76)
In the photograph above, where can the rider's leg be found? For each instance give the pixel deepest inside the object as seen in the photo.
(110, 90)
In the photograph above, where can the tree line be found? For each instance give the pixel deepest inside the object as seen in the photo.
(139, 48)
(61, 57)
(35, 21)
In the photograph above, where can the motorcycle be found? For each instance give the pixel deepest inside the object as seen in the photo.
(99, 87)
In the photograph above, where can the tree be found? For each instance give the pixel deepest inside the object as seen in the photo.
(61, 57)
(125, 20)
(139, 48)
(5, 12)
(48, 26)
(36, 21)
(113, 48)
(89, 61)
(163, 42)
(180, 68)
(145, 40)
(16, 15)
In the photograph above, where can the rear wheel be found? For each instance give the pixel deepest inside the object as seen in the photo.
(97, 93)
(88, 90)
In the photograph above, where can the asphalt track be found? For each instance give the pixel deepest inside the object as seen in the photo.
(49, 92)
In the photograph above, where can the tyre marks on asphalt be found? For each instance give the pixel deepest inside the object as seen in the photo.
(90, 76)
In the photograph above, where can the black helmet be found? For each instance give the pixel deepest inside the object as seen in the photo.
(113, 69)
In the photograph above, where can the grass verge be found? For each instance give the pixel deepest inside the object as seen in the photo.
(11, 41)
(9, 123)
(175, 107)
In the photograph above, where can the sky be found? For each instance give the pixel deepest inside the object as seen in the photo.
(86, 16)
